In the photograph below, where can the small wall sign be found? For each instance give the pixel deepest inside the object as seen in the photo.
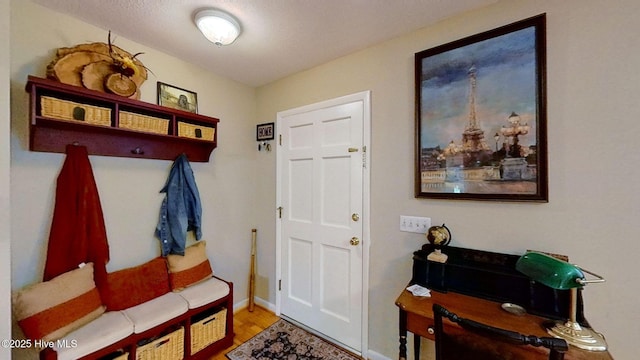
(265, 132)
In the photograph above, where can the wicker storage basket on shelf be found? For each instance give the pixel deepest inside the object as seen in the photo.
(192, 131)
(69, 110)
(133, 121)
(208, 330)
(168, 347)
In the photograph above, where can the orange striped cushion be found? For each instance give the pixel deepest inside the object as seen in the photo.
(182, 279)
(51, 309)
(132, 286)
(189, 269)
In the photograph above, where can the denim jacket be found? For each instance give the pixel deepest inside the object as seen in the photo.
(181, 210)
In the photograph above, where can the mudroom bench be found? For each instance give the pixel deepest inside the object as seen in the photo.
(168, 308)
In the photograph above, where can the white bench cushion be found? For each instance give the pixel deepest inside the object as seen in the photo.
(99, 333)
(154, 312)
(204, 292)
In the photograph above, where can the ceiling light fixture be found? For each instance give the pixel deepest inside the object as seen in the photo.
(217, 26)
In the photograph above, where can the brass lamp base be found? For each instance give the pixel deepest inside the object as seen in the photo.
(578, 336)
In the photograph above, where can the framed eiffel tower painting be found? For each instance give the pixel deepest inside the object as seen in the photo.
(481, 117)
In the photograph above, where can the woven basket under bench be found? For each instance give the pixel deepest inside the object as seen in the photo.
(168, 347)
(208, 330)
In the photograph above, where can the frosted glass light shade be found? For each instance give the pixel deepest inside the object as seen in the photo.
(218, 27)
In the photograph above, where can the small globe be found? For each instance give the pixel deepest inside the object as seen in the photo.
(439, 236)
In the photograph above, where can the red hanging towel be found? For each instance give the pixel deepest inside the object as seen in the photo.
(78, 233)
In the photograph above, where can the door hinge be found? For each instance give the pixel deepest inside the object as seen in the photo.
(280, 139)
(280, 285)
(279, 208)
(364, 157)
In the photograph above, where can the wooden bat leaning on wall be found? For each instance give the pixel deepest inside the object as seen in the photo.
(252, 271)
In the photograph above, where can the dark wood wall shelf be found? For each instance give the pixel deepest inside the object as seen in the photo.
(49, 133)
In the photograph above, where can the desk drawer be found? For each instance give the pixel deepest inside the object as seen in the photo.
(420, 325)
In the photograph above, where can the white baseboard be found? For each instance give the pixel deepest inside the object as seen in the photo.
(372, 355)
(241, 305)
(265, 304)
(258, 301)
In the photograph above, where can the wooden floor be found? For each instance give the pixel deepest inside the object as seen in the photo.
(246, 325)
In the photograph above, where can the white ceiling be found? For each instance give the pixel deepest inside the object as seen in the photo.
(279, 37)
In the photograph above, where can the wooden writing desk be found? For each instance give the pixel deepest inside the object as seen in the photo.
(416, 316)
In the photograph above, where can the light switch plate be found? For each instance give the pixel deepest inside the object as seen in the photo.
(415, 224)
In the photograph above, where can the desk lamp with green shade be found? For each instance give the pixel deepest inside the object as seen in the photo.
(561, 275)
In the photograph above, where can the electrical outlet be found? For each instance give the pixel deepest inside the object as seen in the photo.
(415, 224)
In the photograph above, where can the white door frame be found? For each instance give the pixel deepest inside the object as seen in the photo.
(365, 98)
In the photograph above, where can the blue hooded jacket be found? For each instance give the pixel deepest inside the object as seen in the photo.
(181, 210)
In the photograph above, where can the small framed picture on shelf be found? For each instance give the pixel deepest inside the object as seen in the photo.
(177, 98)
(265, 132)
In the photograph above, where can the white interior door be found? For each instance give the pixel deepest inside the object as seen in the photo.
(321, 176)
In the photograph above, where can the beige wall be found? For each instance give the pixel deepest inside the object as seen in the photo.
(592, 87)
(593, 132)
(5, 265)
(129, 188)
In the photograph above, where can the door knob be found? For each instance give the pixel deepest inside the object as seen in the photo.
(354, 241)
(355, 217)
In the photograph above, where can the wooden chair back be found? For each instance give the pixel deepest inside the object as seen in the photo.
(486, 342)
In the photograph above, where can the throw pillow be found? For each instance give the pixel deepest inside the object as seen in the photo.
(132, 286)
(190, 268)
(49, 310)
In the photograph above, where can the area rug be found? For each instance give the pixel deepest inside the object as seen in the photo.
(284, 340)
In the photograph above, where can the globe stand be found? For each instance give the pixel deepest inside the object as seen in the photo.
(437, 256)
(438, 237)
